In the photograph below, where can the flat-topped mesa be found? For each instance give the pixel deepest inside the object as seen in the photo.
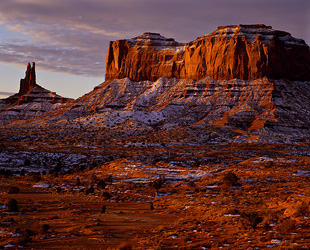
(246, 52)
(146, 57)
(29, 82)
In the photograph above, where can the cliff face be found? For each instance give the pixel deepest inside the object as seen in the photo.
(145, 57)
(246, 52)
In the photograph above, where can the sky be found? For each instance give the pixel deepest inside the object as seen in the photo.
(68, 39)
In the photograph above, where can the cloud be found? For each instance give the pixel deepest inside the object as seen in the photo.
(51, 58)
(72, 36)
(6, 93)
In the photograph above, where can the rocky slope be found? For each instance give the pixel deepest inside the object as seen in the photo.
(246, 52)
(31, 101)
(241, 109)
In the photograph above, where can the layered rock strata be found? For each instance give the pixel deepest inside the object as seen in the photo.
(246, 52)
(252, 108)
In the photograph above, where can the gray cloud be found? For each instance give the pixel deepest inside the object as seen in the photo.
(72, 36)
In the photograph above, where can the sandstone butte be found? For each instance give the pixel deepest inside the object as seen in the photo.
(245, 52)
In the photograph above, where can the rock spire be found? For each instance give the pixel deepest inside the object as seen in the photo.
(29, 82)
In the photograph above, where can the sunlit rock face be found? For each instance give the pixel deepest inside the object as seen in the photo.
(146, 57)
(245, 52)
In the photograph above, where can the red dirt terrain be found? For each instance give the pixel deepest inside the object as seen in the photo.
(228, 197)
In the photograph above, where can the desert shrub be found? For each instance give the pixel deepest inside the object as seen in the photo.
(103, 209)
(268, 164)
(151, 206)
(90, 190)
(157, 184)
(302, 210)
(270, 217)
(27, 162)
(231, 211)
(125, 246)
(230, 179)
(95, 164)
(44, 228)
(252, 219)
(192, 184)
(101, 184)
(23, 172)
(14, 190)
(26, 238)
(131, 185)
(78, 182)
(12, 205)
(108, 179)
(5, 172)
(58, 167)
(93, 178)
(106, 195)
(110, 158)
(197, 163)
(287, 226)
(35, 176)
(82, 167)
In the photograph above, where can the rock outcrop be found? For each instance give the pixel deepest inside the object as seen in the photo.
(246, 52)
(31, 101)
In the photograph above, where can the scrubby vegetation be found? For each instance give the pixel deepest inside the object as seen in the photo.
(12, 205)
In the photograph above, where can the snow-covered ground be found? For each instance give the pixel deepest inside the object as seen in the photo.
(32, 161)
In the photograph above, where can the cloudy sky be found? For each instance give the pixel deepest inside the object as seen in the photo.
(68, 39)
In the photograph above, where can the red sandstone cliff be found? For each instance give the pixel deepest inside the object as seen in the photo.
(247, 52)
(145, 57)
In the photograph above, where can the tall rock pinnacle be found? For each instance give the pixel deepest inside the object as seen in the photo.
(29, 82)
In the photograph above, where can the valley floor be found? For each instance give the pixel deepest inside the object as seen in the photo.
(153, 196)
